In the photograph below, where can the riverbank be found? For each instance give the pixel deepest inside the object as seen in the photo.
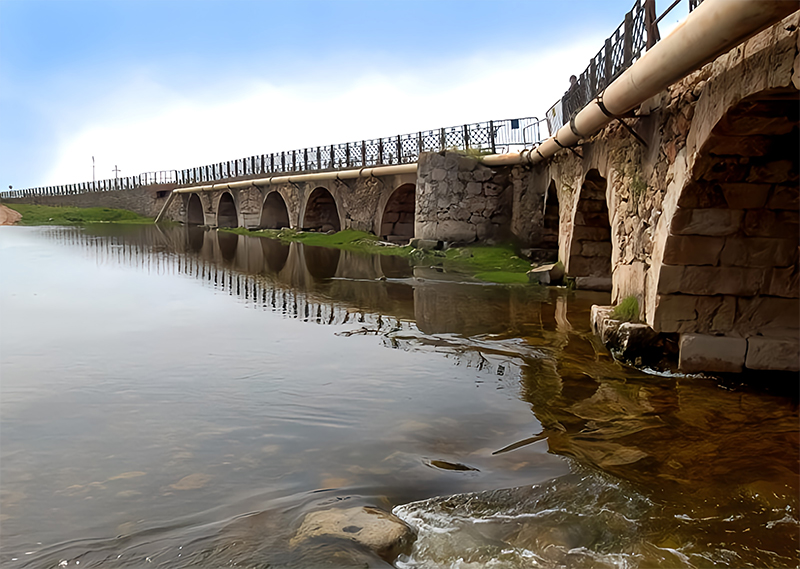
(8, 216)
(49, 215)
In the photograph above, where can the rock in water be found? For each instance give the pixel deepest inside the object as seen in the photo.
(384, 533)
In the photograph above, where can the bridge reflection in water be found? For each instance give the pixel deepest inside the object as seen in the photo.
(657, 460)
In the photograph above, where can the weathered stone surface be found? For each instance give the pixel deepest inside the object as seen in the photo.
(783, 281)
(699, 352)
(675, 313)
(596, 249)
(584, 233)
(593, 283)
(768, 316)
(784, 197)
(602, 324)
(738, 281)
(459, 231)
(773, 353)
(382, 532)
(779, 172)
(551, 273)
(745, 196)
(769, 223)
(759, 252)
(635, 339)
(580, 266)
(705, 221)
(692, 250)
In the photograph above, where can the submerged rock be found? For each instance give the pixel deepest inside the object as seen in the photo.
(384, 533)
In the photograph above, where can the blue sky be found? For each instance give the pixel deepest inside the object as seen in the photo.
(150, 85)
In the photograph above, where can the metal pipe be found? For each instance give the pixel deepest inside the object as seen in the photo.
(341, 174)
(713, 28)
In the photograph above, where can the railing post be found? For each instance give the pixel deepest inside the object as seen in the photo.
(363, 153)
(347, 154)
(442, 139)
(466, 137)
(399, 150)
(319, 158)
(609, 67)
(627, 45)
(380, 151)
(491, 135)
(332, 163)
(305, 159)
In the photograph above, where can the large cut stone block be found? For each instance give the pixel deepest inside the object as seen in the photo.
(736, 281)
(782, 281)
(773, 353)
(593, 283)
(784, 197)
(584, 233)
(759, 252)
(457, 231)
(692, 250)
(713, 222)
(589, 266)
(675, 313)
(745, 196)
(768, 316)
(769, 223)
(698, 353)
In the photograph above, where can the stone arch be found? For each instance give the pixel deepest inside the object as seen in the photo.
(397, 221)
(728, 279)
(228, 243)
(274, 213)
(227, 215)
(194, 210)
(551, 218)
(590, 248)
(321, 212)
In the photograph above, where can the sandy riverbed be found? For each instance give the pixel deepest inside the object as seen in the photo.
(8, 216)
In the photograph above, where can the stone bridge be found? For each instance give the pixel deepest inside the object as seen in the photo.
(699, 222)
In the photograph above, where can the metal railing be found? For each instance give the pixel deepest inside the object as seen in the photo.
(492, 137)
(637, 33)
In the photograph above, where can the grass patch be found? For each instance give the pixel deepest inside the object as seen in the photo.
(50, 215)
(627, 310)
(496, 263)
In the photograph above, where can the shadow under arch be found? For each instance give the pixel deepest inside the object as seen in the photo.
(274, 213)
(275, 254)
(194, 211)
(226, 211)
(552, 220)
(321, 213)
(228, 242)
(321, 262)
(590, 247)
(195, 237)
(397, 222)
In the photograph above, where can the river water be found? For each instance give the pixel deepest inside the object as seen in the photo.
(183, 398)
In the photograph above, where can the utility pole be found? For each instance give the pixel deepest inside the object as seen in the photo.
(116, 171)
(93, 178)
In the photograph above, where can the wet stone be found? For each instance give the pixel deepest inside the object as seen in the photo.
(384, 533)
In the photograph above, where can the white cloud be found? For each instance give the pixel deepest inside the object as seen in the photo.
(145, 126)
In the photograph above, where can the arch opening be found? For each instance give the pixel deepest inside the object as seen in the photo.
(274, 213)
(226, 212)
(551, 221)
(732, 247)
(194, 211)
(590, 248)
(397, 222)
(321, 212)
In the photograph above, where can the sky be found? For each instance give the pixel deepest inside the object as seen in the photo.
(149, 85)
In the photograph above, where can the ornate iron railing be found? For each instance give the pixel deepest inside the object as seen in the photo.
(491, 137)
(637, 33)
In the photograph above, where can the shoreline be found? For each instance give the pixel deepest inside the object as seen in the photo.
(8, 216)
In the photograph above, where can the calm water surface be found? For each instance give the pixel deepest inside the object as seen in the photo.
(183, 398)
